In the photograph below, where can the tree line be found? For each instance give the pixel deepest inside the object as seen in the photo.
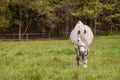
(58, 17)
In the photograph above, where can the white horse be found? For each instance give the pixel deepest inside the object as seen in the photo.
(81, 37)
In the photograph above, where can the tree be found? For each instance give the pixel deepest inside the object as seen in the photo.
(90, 10)
(5, 15)
(46, 9)
(110, 15)
(57, 17)
(22, 15)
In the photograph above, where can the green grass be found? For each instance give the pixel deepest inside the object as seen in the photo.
(56, 60)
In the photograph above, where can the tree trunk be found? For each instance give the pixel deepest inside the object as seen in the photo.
(67, 25)
(85, 18)
(90, 23)
(20, 24)
(95, 28)
(111, 29)
(20, 27)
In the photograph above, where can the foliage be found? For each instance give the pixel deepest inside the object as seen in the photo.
(53, 16)
(5, 15)
(4, 22)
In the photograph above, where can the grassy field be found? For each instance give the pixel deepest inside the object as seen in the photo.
(56, 60)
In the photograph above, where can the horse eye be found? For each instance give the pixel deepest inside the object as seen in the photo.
(78, 40)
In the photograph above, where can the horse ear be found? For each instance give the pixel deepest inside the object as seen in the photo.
(79, 32)
(84, 31)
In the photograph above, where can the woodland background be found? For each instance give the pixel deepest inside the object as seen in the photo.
(56, 18)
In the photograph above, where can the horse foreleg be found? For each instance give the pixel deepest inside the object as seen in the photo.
(79, 57)
(85, 61)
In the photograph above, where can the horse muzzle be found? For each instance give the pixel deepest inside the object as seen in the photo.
(82, 49)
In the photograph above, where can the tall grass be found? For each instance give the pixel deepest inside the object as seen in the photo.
(56, 60)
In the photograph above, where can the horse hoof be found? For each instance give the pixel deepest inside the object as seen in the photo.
(85, 66)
